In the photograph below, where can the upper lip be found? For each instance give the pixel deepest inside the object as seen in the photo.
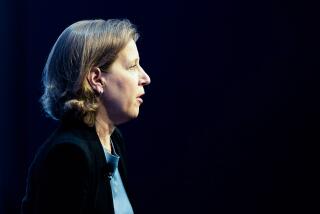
(141, 95)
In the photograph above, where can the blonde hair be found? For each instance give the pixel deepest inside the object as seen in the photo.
(80, 47)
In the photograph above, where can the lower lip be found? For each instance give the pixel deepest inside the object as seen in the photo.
(140, 100)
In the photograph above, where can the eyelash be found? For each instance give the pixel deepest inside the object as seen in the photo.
(133, 66)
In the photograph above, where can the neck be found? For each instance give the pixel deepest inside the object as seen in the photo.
(104, 128)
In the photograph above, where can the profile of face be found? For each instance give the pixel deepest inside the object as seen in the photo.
(123, 85)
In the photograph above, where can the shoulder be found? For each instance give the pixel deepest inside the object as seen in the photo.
(63, 156)
(68, 149)
(64, 146)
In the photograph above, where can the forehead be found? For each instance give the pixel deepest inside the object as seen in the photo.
(129, 53)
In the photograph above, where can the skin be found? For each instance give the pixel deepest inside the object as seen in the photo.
(120, 89)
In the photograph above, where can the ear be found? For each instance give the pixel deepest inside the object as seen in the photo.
(95, 80)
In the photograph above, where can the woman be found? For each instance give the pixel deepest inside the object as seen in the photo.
(92, 82)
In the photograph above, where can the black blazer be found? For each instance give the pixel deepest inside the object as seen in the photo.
(70, 175)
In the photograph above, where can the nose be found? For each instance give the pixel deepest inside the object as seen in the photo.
(144, 77)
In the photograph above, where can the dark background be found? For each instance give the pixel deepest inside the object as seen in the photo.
(229, 124)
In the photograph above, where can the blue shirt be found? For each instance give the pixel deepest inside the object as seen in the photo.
(121, 201)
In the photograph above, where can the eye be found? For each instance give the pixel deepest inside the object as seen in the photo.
(133, 66)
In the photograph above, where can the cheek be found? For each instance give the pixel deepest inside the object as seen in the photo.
(125, 91)
(123, 87)
(128, 84)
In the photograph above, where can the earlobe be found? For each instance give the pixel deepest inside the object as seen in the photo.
(94, 79)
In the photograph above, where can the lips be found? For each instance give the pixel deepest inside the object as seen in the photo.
(139, 98)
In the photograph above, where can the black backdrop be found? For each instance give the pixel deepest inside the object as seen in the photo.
(230, 120)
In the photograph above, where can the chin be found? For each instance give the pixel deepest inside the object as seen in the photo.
(127, 117)
(134, 115)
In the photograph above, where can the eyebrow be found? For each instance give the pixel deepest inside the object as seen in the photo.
(135, 60)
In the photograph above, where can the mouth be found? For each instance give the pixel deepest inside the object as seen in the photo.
(139, 98)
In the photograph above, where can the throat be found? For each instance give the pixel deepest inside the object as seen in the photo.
(105, 138)
(104, 129)
(107, 146)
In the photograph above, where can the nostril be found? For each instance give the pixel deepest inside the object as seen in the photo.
(145, 80)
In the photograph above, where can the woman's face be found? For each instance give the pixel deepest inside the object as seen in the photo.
(123, 86)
